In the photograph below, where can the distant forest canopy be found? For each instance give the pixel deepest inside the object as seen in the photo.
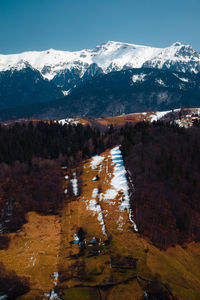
(164, 164)
(70, 143)
(163, 161)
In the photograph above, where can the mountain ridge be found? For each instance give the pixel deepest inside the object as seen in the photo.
(108, 56)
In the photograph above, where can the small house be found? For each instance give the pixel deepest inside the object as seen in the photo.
(93, 241)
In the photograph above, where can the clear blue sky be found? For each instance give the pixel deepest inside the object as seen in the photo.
(74, 25)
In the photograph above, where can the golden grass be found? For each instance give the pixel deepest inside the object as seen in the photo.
(170, 264)
(33, 251)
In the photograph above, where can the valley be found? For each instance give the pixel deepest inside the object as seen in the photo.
(99, 150)
(118, 264)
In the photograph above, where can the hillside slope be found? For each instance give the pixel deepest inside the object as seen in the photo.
(125, 266)
(129, 91)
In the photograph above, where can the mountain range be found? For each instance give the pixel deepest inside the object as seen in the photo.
(124, 76)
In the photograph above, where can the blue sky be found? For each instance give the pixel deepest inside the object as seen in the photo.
(74, 25)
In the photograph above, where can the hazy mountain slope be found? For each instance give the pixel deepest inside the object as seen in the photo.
(25, 86)
(115, 93)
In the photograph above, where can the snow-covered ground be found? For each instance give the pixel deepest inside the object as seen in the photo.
(119, 183)
(95, 193)
(119, 180)
(96, 160)
(96, 208)
(53, 295)
(74, 182)
(67, 121)
(159, 114)
(109, 56)
(138, 78)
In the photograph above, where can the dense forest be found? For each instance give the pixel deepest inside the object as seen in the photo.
(71, 143)
(164, 163)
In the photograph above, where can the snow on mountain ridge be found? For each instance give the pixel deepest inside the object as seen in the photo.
(109, 56)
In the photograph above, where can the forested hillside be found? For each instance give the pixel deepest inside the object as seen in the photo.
(31, 156)
(164, 164)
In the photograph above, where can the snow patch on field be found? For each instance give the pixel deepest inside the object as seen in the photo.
(158, 115)
(74, 182)
(67, 121)
(120, 223)
(33, 260)
(53, 295)
(110, 194)
(95, 192)
(96, 208)
(119, 183)
(96, 160)
(119, 180)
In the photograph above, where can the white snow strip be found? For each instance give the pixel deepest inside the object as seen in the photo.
(74, 182)
(120, 223)
(55, 276)
(119, 180)
(96, 160)
(119, 183)
(65, 191)
(181, 78)
(95, 192)
(66, 177)
(131, 220)
(96, 208)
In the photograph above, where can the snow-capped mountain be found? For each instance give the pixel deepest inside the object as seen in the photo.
(107, 57)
